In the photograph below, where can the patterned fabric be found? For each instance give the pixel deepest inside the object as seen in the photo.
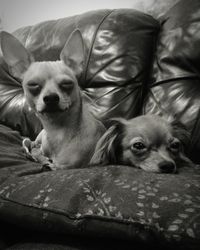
(112, 200)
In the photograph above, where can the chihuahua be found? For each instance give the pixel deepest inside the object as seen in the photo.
(51, 89)
(148, 142)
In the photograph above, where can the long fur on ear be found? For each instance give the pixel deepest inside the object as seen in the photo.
(181, 132)
(107, 150)
(15, 54)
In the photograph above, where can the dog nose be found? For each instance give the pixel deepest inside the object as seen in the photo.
(51, 99)
(167, 167)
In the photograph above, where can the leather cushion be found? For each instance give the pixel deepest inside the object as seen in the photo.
(175, 86)
(119, 46)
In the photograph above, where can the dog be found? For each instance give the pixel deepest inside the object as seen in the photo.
(148, 142)
(51, 89)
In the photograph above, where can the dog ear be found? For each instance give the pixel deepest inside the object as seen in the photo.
(181, 132)
(104, 152)
(109, 145)
(15, 54)
(73, 52)
(184, 161)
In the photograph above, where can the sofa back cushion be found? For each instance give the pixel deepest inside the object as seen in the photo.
(119, 46)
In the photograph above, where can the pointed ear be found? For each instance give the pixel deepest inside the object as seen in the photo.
(15, 54)
(73, 52)
(107, 148)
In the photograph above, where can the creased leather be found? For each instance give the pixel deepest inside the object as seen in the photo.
(118, 50)
(174, 89)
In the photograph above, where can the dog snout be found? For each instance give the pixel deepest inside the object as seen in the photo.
(167, 167)
(51, 99)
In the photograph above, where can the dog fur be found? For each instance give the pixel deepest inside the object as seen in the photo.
(51, 89)
(148, 142)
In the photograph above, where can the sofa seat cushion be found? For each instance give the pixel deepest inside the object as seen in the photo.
(117, 202)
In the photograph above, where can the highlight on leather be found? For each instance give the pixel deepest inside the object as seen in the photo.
(116, 63)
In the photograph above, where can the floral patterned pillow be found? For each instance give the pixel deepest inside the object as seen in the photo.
(105, 201)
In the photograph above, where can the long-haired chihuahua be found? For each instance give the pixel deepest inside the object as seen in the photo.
(148, 142)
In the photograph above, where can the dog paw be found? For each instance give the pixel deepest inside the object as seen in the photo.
(27, 145)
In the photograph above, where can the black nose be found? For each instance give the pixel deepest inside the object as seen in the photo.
(51, 99)
(167, 167)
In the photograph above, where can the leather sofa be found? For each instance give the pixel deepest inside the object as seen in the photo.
(134, 64)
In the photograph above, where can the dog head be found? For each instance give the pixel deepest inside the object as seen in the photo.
(147, 142)
(50, 87)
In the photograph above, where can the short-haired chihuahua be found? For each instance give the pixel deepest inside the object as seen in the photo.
(148, 142)
(51, 89)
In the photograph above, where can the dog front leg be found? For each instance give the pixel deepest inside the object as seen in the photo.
(34, 152)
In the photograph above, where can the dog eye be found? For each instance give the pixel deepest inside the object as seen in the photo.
(139, 146)
(175, 146)
(33, 87)
(67, 85)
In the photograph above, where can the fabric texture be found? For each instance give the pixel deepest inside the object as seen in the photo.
(113, 200)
